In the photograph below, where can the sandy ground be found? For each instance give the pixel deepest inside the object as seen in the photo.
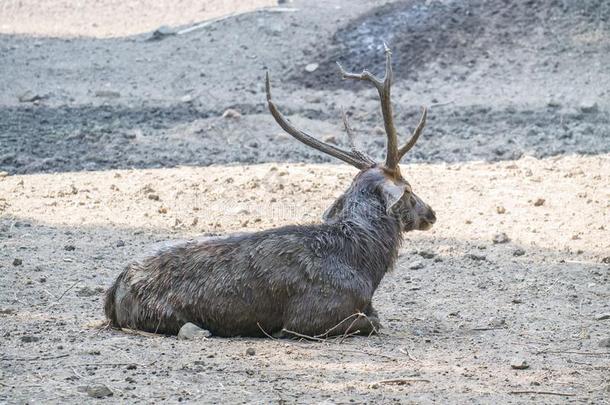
(111, 143)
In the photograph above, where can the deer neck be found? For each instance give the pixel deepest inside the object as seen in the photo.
(373, 237)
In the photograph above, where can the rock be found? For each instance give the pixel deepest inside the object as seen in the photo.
(606, 260)
(132, 366)
(120, 243)
(604, 342)
(517, 301)
(70, 248)
(161, 33)
(426, 254)
(3, 174)
(29, 338)
(551, 102)
(518, 252)
(187, 98)
(476, 257)
(153, 197)
(330, 139)
(588, 106)
(416, 265)
(519, 364)
(230, 113)
(539, 202)
(500, 209)
(107, 94)
(7, 311)
(602, 317)
(500, 238)
(29, 97)
(311, 67)
(497, 322)
(377, 130)
(190, 331)
(250, 351)
(17, 262)
(99, 391)
(162, 210)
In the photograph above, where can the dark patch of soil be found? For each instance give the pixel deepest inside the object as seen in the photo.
(452, 33)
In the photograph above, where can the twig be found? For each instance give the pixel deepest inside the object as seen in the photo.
(297, 334)
(139, 332)
(398, 381)
(264, 332)
(483, 328)
(64, 293)
(441, 104)
(34, 358)
(563, 394)
(406, 351)
(327, 333)
(594, 354)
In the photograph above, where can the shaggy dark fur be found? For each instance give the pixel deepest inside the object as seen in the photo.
(304, 279)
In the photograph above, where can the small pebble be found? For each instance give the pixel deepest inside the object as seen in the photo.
(604, 342)
(250, 351)
(17, 262)
(153, 197)
(190, 331)
(518, 252)
(231, 114)
(475, 257)
(519, 364)
(330, 139)
(120, 243)
(602, 317)
(500, 209)
(539, 202)
(29, 338)
(426, 255)
(69, 248)
(500, 238)
(416, 265)
(311, 67)
(99, 391)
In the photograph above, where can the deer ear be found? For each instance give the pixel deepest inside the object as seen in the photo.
(331, 212)
(392, 193)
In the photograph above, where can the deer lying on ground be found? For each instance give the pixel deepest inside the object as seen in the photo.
(303, 280)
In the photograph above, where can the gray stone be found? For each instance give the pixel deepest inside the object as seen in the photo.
(190, 331)
(99, 391)
(312, 67)
(604, 342)
(416, 265)
(500, 238)
(519, 364)
(588, 106)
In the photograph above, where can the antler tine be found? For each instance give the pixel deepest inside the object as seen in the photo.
(415, 135)
(383, 88)
(348, 129)
(352, 143)
(352, 158)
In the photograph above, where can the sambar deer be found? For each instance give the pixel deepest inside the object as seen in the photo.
(306, 279)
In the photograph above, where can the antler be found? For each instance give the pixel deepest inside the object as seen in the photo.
(354, 158)
(394, 154)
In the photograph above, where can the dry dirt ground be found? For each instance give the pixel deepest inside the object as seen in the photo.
(119, 143)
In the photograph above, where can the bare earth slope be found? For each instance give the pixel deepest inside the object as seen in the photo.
(123, 145)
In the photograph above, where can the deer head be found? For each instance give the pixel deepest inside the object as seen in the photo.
(383, 180)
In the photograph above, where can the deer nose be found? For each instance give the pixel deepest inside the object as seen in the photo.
(431, 216)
